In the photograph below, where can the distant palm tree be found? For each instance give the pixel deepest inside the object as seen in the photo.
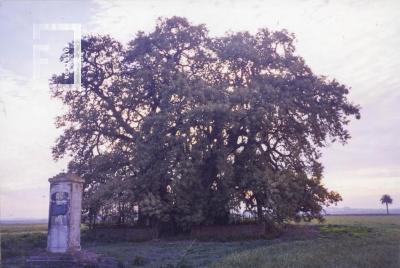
(386, 199)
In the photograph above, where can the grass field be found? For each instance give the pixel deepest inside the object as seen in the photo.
(23, 228)
(341, 241)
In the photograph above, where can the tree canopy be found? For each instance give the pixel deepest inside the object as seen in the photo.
(190, 128)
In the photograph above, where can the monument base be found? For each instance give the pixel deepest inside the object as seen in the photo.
(67, 260)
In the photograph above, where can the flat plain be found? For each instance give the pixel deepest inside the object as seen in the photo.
(340, 241)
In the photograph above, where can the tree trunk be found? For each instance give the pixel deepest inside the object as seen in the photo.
(260, 215)
(141, 221)
(94, 220)
(387, 209)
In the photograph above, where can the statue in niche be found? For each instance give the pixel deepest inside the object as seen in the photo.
(59, 208)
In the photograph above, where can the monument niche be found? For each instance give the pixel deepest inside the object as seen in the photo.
(65, 213)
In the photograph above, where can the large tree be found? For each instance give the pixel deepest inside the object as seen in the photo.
(190, 127)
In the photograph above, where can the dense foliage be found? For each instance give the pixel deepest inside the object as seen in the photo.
(187, 128)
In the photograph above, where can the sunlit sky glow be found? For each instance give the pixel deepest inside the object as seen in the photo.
(356, 42)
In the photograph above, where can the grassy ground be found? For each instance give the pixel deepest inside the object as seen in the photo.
(342, 241)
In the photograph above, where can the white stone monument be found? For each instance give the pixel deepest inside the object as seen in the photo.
(64, 234)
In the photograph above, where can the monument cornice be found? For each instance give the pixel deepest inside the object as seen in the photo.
(66, 177)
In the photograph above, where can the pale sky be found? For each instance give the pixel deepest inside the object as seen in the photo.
(356, 42)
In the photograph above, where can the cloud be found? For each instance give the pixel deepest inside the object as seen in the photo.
(8, 82)
(353, 41)
(377, 172)
(27, 133)
(29, 203)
